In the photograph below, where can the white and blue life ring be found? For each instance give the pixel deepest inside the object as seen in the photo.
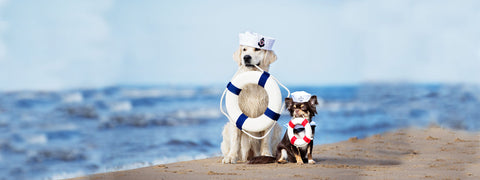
(271, 114)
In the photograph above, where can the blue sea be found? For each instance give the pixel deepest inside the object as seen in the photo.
(60, 134)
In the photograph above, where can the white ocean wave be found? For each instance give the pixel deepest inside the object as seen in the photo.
(156, 93)
(174, 118)
(66, 175)
(125, 167)
(202, 113)
(122, 106)
(141, 93)
(159, 161)
(36, 139)
(74, 97)
(61, 127)
(167, 160)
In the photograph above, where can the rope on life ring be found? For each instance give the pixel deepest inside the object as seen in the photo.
(274, 108)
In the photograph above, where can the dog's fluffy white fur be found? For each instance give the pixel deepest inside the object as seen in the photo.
(253, 100)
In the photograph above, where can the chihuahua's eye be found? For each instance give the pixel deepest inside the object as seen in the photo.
(257, 49)
(244, 49)
(303, 107)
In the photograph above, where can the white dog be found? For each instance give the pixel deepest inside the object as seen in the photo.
(253, 102)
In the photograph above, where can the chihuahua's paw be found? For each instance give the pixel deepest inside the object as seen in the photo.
(311, 161)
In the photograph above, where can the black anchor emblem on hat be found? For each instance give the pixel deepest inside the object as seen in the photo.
(261, 43)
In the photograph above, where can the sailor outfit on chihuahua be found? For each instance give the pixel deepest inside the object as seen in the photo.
(301, 97)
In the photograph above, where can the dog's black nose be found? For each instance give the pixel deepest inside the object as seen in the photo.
(247, 59)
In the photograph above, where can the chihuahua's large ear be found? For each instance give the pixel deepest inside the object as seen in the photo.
(236, 56)
(288, 103)
(313, 103)
(270, 57)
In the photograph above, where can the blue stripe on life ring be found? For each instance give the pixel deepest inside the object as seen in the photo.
(271, 114)
(263, 79)
(241, 119)
(233, 89)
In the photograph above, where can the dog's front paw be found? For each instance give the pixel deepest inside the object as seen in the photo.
(311, 161)
(265, 152)
(299, 162)
(229, 160)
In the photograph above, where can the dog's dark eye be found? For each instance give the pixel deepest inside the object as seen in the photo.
(244, 49)
(304, 108)
(257, 49)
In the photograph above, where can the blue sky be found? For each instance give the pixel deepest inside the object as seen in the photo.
(58, 44)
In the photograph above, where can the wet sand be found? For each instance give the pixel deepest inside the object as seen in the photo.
(433, 153)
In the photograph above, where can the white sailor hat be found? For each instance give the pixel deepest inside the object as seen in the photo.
(256, 40)
(301, 96)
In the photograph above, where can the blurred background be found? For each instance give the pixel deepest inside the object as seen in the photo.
(94, 86)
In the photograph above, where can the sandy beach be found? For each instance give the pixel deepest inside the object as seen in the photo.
(433, 153)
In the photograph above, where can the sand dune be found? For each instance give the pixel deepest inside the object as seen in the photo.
(433, 153)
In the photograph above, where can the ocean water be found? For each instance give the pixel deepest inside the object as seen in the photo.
(60, 134)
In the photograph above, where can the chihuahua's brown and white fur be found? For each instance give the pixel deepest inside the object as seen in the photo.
(286, 152)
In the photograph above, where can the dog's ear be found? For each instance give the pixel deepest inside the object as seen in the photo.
(236, 56)
(270, 57)
(313, 103)
(288, 103)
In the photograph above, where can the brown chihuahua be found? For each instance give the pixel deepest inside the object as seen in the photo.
(286, 151)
